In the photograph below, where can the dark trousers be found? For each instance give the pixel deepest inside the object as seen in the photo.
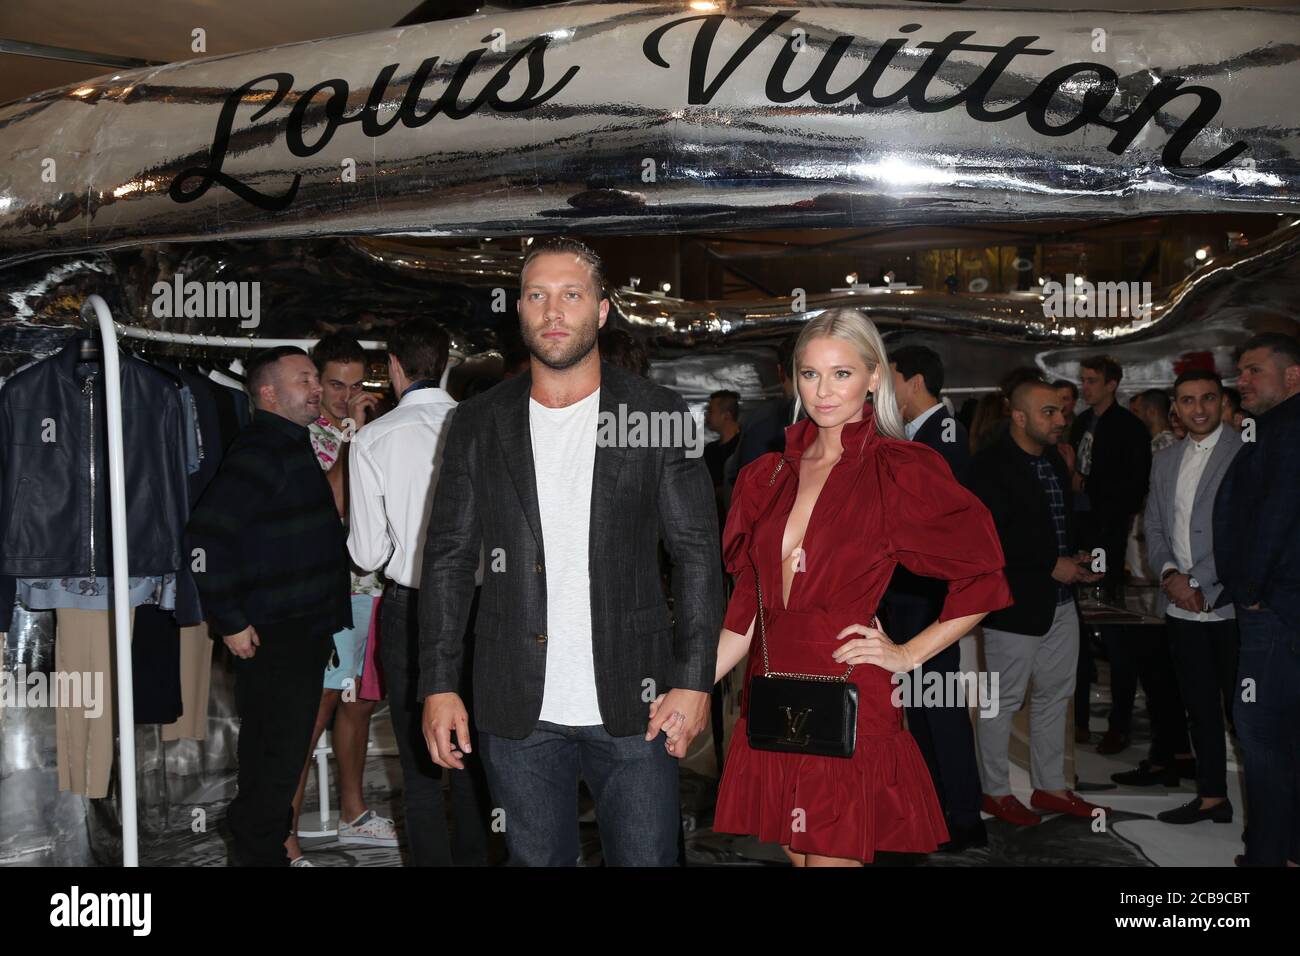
(428, 841)
(1084, 675)
(943, 733)
(1141, 653)
(1267, 715)
(633, 781)
(1205, 661)
(277, 692)
(1100, 529)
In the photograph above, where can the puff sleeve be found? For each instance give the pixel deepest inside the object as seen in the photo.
(736, 538)
(938, 529)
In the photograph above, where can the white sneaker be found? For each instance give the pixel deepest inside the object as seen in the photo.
(301, 861)
(369, 829)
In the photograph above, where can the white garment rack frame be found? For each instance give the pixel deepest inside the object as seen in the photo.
(109, 331)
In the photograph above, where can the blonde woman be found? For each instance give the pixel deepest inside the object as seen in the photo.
(824, 531)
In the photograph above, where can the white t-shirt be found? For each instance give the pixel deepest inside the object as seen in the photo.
(564, 456)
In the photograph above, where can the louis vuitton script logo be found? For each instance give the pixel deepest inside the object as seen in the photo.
(320, 110)
(795, 721)
(1036, 107)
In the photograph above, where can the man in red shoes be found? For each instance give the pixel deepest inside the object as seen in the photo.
(1026, 486)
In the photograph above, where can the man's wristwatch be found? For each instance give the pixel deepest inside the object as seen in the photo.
(1194, 583)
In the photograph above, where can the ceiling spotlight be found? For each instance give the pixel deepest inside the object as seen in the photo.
(666, 287)
(1078, 280)
(1202, 253)
(851, 278)
(1041, 280)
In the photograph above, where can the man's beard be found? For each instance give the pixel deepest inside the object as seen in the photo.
(581, 341)
(1046, 439)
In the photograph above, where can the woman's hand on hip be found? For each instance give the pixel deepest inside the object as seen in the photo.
(873, 646)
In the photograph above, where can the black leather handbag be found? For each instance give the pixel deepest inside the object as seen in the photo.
(800, 713)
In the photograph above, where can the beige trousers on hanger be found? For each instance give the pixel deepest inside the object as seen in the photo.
(84, 728)
(196, 675)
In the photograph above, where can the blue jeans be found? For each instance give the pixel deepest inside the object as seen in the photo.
(535, 782)
(1268, 728)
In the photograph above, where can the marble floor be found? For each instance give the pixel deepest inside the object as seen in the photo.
(1132, 836)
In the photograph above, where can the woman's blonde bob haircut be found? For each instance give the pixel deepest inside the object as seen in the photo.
(855, 328)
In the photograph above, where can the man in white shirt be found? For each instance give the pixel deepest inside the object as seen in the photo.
(1202, 631)
(575, 637)
(392, 472)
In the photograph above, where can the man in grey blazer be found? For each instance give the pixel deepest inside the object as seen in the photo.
(1202, 631)
(568, 476)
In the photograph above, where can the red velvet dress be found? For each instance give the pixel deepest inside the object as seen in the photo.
(885, 502)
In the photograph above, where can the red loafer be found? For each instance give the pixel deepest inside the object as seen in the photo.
(1070, 804)
(1011, 810)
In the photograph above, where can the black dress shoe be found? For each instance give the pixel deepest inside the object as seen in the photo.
(1191, 812)
(961, 839)
(1146, 776)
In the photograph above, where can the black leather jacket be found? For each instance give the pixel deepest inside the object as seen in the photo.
(54, 511)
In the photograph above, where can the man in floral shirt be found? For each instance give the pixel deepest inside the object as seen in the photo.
(345, 407)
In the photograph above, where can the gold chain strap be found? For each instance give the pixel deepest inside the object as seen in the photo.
(762, 629)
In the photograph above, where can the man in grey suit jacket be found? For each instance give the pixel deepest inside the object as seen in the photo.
(1202, 631)
(567, 476)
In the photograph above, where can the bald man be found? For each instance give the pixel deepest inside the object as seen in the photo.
(1026, 486)
(271, 564)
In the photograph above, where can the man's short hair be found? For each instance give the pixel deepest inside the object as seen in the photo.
(261, 367)
(1276, 342)
(421, 345)
(574, 247)
(785, 354)
(1066, 383)
(620, 347)
(1233, 396)
(1019, 395)
(1202, 375)
(1156, 398)
(1019, 376)
(728, 402)
(920, 360)
(337, 347)
(1110, 369)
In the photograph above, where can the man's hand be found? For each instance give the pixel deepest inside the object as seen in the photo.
(1068, 571)
(244, 644)
(682, 715)
(360, 406)
(1076, 482)
(1067, 454)
(444, 713)
(1178, 587)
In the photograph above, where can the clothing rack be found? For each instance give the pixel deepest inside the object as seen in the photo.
(222, 341)
(96, 309)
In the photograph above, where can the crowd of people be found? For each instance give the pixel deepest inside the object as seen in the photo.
(550, 608)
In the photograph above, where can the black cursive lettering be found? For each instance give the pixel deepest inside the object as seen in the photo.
(309, 112)
(1038, 106)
